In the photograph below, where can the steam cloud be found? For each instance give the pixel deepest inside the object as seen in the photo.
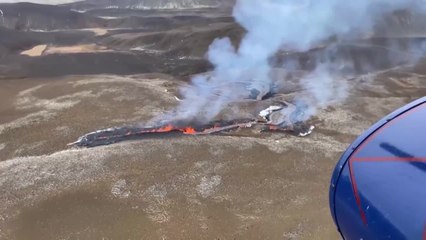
(272, 25)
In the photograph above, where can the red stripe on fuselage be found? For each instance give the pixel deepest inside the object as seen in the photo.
(378, 159)
(390, 159)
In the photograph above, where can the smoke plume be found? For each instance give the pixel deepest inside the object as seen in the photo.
(272, 25)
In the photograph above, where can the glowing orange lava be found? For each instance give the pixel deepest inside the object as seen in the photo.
(167, 128)
(189, 130)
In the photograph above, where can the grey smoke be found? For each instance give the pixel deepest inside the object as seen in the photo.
(271, 25)
(2, 17)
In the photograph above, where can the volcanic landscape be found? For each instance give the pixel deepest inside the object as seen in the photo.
(68, 70)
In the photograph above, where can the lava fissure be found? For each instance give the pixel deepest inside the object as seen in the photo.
(119, 134)
(283, 118)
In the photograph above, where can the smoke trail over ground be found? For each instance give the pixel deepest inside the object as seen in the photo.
(282, 24)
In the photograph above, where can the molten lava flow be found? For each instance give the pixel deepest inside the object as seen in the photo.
(167, 128)
(118, 134)
(171, 128)
(189, 131)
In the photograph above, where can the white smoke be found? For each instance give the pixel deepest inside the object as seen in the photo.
(297, 25)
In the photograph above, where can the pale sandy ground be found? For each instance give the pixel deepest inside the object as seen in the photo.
(83, 48)
(97, 31)
(35, 51)
(40, 50)
(247, 185)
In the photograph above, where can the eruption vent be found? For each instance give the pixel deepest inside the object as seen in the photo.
(113, 135)
(275, 118)
(274, 25)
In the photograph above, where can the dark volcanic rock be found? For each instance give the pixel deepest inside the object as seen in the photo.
(97, 63)
(151, 4)
(84, 63)
(356, 57)
(179, 43)
(158, 23)
(13, 41)
(24, 16)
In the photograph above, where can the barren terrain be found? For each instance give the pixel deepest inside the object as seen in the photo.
(114, 67)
